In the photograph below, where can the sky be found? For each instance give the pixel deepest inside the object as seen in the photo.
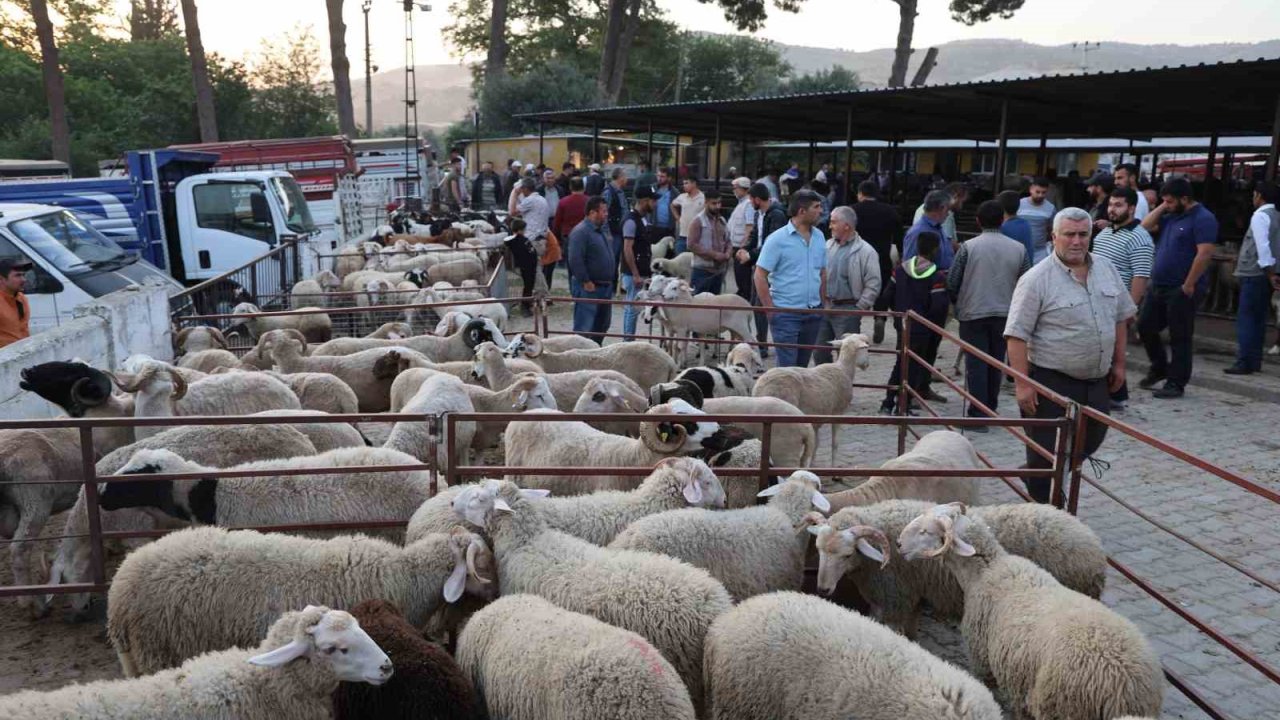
(237, 28)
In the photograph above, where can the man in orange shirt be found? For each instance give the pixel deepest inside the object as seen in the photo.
(15, 312)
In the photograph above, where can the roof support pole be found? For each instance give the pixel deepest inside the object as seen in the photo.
(1155, 166)
(542, 134)
(848, 157)
(893, 170)
(675, 160)
(746, 166)
(718, 173)
(595, 142)
(1137, 162)
(1042, 157)
(1208, 169)
(649, 151)
(811, 171)
(1274, 156)
(1002, 145)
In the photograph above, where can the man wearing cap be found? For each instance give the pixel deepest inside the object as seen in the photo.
(638, 234)
(486, 189)
(511, 177)
(549, 190)
(741, 220)
(15, 311)
(594, 182)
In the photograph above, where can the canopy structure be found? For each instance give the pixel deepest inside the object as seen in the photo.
(1225, 99)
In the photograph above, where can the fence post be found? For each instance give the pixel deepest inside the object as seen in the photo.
(451, 464)
(1077, 460)
(904, 402)
(1063, 456)
(433, 441)
(89, 473)
(766, 439)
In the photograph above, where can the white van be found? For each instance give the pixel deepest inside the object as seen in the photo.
(71, 262)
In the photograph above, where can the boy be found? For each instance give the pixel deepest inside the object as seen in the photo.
(525, 258)
(918, 285)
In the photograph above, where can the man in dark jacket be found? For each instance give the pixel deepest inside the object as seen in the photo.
(486, 190)
(510, 178)
(770, 216)
(917, 285)
(879, 225)
(591, 269)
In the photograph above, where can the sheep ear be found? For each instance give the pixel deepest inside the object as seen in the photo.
(534, 492)
(821, 502)
(815, 530)
(457, 581)
(870, 551)
(692, 490)
(281, 655)
(770, 491)
(501, 505)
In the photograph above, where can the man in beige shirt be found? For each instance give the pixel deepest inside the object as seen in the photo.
(686, 208)
(1066, 329)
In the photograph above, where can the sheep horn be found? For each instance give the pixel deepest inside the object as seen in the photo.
(297, 334)
(649, 434)
(875, 537)
(181, 337)
(532, 345)
(218, 337)
(472, 548)
(81, 399)
(179, 384)
(634, 400)
(139, 380)
(948, 537)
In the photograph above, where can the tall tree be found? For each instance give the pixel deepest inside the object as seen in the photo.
(54, 91)
(750, 15)
(341, 69)
(495, 62)
(620, 33)
(206, 111)
(152, 19)
(969, 12)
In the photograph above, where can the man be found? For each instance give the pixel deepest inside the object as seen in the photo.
(879, 225)
(664, 193)
(740, 223)
(1188, 232)
(451, 187)
(15, 311)
(980, 283)
(1256, 268)
(594, 182)
(1130, 250)
(532, 209)
(1099, 187)
(511, 178)
(568, 171)
(685, 209)
(486, 189)
(853, 280)
(1038, 212)
(791, 273)
(770, 217)
(591, 268)
(615, 194)
(937, 206)
(1013, 226)
(571, 210)
(770, 181)
(958, 193)
(638, 236)
(1066, 330)
(1127, 177)
(549, 191)
(645, 176)
(709, 243)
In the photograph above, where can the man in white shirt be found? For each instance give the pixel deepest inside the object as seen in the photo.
(533, 208)
(740, 223)
(1127, 177)
(1256, 271)
(686, 209)
(1038, 212)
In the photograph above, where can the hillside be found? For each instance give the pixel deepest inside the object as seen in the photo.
(444, 91)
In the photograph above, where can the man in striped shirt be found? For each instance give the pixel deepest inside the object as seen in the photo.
(1129, 248)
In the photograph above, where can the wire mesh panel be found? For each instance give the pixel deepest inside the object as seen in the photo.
(264, 282)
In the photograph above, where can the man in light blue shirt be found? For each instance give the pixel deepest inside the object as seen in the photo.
(936, 207)
(791, 273)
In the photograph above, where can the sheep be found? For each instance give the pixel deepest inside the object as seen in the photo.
(499, 372)
(195, 339)
(160, 392)
(315, 327)
(391, 331)
(1056, 653)
(719, 382)
(1049, 537)
(205, 589)
(314, 291)
(450, 323)
(576, 444)
(709, 321)
(422, 318)
(369, 374)
(457, 270)
(259, 684)
(751, 551)
(427, 685)
(607, 395)
(457, 347)
(206, 361)
(731, 449)
(647, 365)
(320, 391)
(938, 450)
(269, 499)
(352, 257)
(822, 390)
(536, 661)
(213, 445)
(789, 656)
(438, 394)
(527, 392)
(325, 436)
(377, 291)
(560, 343)
(747, 358)
(681, 266)
(358, 282)
(667, 602)
(791, 444)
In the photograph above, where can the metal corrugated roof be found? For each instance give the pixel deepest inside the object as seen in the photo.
(1231, 98)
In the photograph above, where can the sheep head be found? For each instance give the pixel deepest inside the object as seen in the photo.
(452, 321)
(275, 341)
(474, 569)
(530, 391)
(683, 389)
(857, 344)
(838, 551)
(671, 437)
(696, 482)
(389, 365)
(317, 633)
(476, 503)
(328, 281)
(526, 344)
(418, 277)
(147, 376)
(73, 386)
(209, 337)
(603, 395)
(940, 529)
(481, 330)
(744, 356)
(812, 484)
(392, 331)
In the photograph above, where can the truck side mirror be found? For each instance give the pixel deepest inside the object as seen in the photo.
(261, 210)
(40, 282)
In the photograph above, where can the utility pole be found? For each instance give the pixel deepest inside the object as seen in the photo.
(1085, 47)
(680, 65)
(368, 72)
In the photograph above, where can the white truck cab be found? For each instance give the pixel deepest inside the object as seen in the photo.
(72, 263)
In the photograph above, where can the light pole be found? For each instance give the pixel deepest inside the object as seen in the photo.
(368, 72)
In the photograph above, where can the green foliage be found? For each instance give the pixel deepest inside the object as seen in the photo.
(152, 19)
(751, 14)
(972, 12)
(834, 79)
(290, 99)
(555, 85)
(722, 66)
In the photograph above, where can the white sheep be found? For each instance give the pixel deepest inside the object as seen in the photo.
(1057, 654)
(526, 393)
(205, 589)
(201, 337)
(560, 343)
(500, 372)
(438, 394)
(700, 321)
(457, 270)
(1053, 539)
(369, 373)
(667, 602)
(822, 390)
(647, 365)
(570, 443)
(207, 361)
(314, 291)
(750, 550)
(316, 327)
(680, 266)
(457, 347)
(291, 674)
(536, 661)
(321, 391)
(788, 656)
(609, 395)
(325, 436)
(790, 444)
(938, 450)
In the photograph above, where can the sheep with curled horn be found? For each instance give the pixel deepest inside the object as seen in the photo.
(194, 339)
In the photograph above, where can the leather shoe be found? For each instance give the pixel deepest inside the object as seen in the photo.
(932, 396)
(1237, 370)
(877, 334)
(1168, 392)
(1150, 381)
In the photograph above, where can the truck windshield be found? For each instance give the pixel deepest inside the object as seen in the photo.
(297, 214)
(72, 246)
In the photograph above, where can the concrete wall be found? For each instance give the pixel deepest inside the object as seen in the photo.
(103, 333)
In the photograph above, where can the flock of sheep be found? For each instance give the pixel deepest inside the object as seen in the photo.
(673, 595)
